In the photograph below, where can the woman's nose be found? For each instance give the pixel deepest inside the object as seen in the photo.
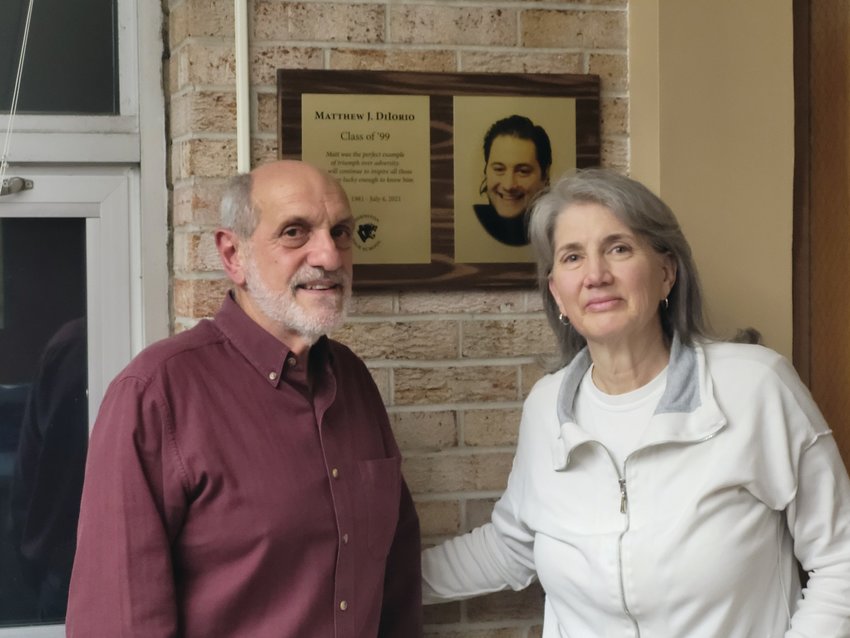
(597, 271)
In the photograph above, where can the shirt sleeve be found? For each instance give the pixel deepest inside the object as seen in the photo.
(401, 612)
(494, 557)
(819, 520)
(133, 501)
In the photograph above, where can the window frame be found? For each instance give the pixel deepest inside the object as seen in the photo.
(102, 195)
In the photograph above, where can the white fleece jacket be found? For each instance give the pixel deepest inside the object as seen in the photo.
(736, 474)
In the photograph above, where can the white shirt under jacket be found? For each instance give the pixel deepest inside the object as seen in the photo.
(736, 473)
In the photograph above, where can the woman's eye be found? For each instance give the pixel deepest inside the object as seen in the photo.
(621, 249)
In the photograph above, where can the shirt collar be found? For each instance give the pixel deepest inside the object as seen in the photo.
(271, 358)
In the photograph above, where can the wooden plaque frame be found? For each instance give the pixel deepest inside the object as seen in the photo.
(442, 272)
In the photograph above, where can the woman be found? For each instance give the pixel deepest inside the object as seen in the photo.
(663, 482)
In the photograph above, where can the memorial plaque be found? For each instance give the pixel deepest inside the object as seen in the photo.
(440, 168)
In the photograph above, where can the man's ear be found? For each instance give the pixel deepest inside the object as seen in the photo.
(227, 244)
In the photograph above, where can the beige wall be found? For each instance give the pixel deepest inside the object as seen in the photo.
(713, 125)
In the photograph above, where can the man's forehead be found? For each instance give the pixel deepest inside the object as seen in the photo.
(293, 176)
(308, 194)
(514, 149)
(294, 206)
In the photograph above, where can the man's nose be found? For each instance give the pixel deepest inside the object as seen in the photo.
(508, 181)
(324, 253)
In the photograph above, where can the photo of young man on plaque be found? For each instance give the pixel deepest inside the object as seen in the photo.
(506, 151)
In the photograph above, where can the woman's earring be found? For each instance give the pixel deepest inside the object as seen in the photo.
(666, 303)
(563, 319)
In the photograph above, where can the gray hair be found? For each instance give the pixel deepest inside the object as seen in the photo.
(646, 216)
(237, 211)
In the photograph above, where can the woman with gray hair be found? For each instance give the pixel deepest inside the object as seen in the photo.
(665, 483)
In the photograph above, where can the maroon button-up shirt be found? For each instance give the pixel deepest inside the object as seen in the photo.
(230, 494)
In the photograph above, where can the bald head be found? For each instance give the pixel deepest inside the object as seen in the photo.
(291, 169)
(240, 202)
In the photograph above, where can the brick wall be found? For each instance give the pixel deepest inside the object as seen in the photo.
(453, 367)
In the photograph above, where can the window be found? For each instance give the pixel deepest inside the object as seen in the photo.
(43, 412)
(70, 65)
(67, 331)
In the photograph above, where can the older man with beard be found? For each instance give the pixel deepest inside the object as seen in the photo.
(242, 479)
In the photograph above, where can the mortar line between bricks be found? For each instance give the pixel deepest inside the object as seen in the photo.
(461, 451)
(450, 407)
(442, 317)
(462, 497)
(432, 364)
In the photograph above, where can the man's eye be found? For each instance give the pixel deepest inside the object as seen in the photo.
(294, 235)
(342, 236)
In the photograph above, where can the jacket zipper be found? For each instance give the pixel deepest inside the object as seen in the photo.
(624, 497)
(624, 509)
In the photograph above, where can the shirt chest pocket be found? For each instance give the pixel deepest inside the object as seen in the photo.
(379, 496)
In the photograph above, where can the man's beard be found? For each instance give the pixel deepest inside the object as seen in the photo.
(283, 308)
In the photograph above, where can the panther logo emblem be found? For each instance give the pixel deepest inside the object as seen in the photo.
(366, 231)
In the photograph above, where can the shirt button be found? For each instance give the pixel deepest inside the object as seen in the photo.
(343, 605)
(272, 375)
(345, 539)
(335, 473)
(291, 361)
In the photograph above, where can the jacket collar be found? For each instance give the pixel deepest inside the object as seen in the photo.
(686, 413)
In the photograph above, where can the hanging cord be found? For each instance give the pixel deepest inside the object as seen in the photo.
(14, 107)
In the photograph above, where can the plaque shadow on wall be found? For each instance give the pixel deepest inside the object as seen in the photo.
(409, 148)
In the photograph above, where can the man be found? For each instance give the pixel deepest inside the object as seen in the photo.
(242, 479)
(517, 159)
